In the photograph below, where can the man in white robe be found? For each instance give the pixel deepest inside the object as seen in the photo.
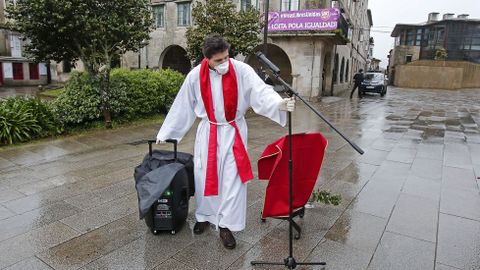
(226, 208)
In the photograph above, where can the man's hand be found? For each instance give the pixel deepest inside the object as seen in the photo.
(287, 104)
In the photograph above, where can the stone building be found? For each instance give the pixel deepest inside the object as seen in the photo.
(315, 62)
(459, 36)
(15, 67)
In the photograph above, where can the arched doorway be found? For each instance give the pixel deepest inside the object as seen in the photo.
(278, 56)
(175, 57)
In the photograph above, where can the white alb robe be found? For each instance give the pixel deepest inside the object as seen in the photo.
(228, 209)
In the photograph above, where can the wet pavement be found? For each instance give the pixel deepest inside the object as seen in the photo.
(410, 202)
(10, 91)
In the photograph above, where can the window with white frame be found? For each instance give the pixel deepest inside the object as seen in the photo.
(244, 4)
(290, 5)
(159, 15)
(183, 14)
(10, 3)
(15, 45)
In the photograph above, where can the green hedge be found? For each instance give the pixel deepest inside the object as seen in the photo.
(147, 91)
(134, 94)
(80, 102)
(23, 119)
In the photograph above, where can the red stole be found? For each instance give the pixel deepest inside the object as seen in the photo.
(230, 99)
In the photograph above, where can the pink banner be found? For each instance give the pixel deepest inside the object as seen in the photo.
(304, 20)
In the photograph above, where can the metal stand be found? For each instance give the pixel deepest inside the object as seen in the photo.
(290, 261)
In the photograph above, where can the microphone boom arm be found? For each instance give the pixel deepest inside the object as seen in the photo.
(276, 72)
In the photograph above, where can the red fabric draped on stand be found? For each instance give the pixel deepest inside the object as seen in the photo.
(307, 156)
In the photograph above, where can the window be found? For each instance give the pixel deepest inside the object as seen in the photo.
(183, 14)
(314, 4)
(290, 5)
(33, 69)
(475, 44)
(17, 71)
(408, 58)
(410, 37)
(418, 42)
(15, 46)
(244, 4)
(159, 15)
(10, 3)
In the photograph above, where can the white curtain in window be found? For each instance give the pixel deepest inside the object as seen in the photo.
(158, 12)
(183, 14)
(15, 46)
(290, 5)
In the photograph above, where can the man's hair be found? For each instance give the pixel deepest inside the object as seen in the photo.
(213, 44)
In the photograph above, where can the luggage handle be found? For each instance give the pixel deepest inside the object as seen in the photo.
(175, 142)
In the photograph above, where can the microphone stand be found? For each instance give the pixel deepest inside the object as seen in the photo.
(290, 261)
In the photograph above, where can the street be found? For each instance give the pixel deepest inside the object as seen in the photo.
(411, 201)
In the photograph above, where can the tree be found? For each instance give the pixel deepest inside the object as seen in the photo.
(441, 54)
(93, 31)
(240, 29)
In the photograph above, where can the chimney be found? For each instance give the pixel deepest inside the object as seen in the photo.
(463, 16)
(432, 17)
(447, 16)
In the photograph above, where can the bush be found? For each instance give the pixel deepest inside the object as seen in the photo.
(132, 94)
(80, 102)
(22, 119)
(147, 91)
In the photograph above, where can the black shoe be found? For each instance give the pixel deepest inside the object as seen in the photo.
(200, 227)
(227, 238)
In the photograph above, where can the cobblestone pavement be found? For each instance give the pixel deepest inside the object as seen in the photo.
(410, 202)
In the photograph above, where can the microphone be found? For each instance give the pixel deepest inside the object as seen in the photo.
(267, 63)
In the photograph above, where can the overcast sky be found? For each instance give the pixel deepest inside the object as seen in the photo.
(387, 13)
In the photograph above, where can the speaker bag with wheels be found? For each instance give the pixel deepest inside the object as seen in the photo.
(170, 211)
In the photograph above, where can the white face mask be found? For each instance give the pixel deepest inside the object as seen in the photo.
(222, 68)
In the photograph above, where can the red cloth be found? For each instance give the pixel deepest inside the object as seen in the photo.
(230, 98)
(307, 156)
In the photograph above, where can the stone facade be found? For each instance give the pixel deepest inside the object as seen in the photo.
(15, 68)
(307, 61)
(432, 74)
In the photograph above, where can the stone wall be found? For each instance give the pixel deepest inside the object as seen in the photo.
(438, 74)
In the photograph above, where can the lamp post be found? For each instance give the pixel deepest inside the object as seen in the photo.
(265, 29)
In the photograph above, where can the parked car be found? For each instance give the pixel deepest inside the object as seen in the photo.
(374, 82)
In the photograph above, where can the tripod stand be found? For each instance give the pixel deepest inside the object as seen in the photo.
(290, 261)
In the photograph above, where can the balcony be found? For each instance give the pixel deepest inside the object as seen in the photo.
(327, 24)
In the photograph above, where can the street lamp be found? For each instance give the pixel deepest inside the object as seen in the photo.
(265, 29)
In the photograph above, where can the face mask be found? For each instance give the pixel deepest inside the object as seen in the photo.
(222, 68)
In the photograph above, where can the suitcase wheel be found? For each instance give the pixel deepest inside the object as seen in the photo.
(173, 232)
(155, 232)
